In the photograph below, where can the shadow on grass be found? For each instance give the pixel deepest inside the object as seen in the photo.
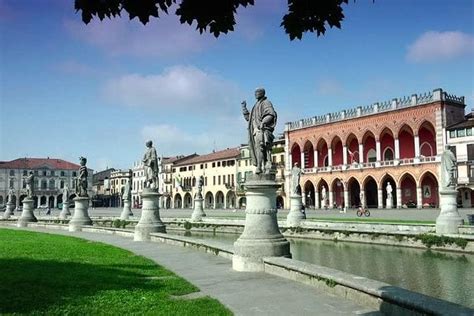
(32, 285)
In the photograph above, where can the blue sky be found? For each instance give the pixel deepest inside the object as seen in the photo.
(100, 90)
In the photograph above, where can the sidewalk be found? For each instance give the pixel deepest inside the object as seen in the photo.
(244, 293)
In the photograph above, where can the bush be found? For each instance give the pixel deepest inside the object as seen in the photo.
(430, 240)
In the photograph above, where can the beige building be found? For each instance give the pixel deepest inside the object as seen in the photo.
(219, 170)
(117, 182)
(461, 139)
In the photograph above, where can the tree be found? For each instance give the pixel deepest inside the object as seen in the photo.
(217, 16)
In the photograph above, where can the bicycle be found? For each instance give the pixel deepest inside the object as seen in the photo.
(362, 211)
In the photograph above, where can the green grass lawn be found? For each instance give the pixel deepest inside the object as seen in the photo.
(45, 274)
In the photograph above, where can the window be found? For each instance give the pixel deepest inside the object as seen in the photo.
(371, 155)
(213, 180)
(61, 184)
(45, 173)
(51, 184)
(205, 181)
(282, 158)
(74, 174)
(469, 131)
(232, 180)
(63, 173)
(53, 173)
(205, 166)
(219, 180)
(213, 165)
(218, 163)
(274, 160)
(239, 163)
(224, 164)
(25, 173)
(461, 132)
(246, 162)
(36, 172)
(202, 166)
(24, 184)
(470, 152)
(43, 184)
(12, 173)
(123, 181)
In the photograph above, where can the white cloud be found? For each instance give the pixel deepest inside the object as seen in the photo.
(436, 46)
(163, 37)
(179, 88)
(329, 87)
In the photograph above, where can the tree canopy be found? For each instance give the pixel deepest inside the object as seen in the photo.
(218, 16)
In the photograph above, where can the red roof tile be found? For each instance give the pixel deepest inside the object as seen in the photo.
(218, 155)
(36, 163)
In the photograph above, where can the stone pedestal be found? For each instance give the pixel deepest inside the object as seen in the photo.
(150, 221)
(198, 211)
(65, 211)
(295, 216)
(261, 236)
(81, 214)
(388, 203)
(127, 210)
(449, 219)
(27, 215)
(9, 210)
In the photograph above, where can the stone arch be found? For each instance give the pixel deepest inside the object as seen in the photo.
(280, 202)
(309, 193)
(209, 200)
(408, 186)
(230, 199)
(308, 152)
(322, 148)
(427, 139)
(352, 145)
(370, 188)
(336, 147)
(368, 141)
(188, 200)
(387, 144)
(178, 201)
(406, 140)
(388, 178)
(428, 183)
(219, 200)
(337, 188)
(353, 187)
(242, 202)
(168, 202)
(319, 188)
(43, 200)
(296, 154)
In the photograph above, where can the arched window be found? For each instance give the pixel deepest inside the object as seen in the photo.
(51, 184)
(44, 184)
(62, 184)
(371, 155)
(388, 154)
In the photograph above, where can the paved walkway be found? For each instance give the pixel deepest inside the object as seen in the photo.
(243, 292)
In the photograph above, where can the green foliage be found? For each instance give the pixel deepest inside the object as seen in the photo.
(45, 274)
(277, 150)
(187, 225)
(218, 17)
(399, 237)
(430, 240)
(330, 282)
(118, 223)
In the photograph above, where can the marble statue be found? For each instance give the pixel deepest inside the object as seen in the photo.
(81, 180)
(10, 196)
(389, 191)
(66, 194)
(362, 198)
(295, 179)
(200, 183)
(30, 181)
(448, 169)
(127, 196)
(150, 162)
(323, 195)
(261, 123)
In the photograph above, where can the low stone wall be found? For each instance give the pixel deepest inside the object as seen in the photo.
(390, 300)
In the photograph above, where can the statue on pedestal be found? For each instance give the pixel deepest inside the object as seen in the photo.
(150, 163)
(127, 195)
(262, 121)
(30, 184)
(448, 170)
(200, 184)
(66, 194)
(362, 198)
(81, 180)
(323, 196)
(295, 179)
(10, 196)
(389, 191)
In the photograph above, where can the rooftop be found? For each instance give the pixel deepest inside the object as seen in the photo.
(39, 163)
(229, 153)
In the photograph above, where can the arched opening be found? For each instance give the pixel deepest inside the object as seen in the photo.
(178, 202)
(323, 190)
(51, 184)
(35, 202)
(354, 193)
(426, 134)
(168, 202)
(308, 155)
(188, 200)
(338, 192)
(371, 193)
(466, 197)
(386, 188)
(336, 146)
(43, 200)
(242, 202)
(44, 184)
(280, 203)
(352, 149)
(408, 187)
(209, 200)
(429, 190)
(309, 194)
(296, 154)
(406, 142)
(14, 199)
(322, 153)
(51, 201)
(72, 196)
(219, 200)
(387, 144)
(230, 199)
(370, 154)
(59, 200)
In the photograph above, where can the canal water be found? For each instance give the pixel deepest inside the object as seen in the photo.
(448, 276)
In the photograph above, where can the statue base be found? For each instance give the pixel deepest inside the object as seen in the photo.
(261, 236)
(64, 211)
(198, 211)
(449, 219)
(127, 210)
(150, 221)
(388, 204)
(81, 214)
(295, 216)
(27, 215)
(9, 210)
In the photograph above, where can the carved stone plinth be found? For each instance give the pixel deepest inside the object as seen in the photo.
(150, 221)
(127, 210)
(296, 215)
(27, 215)
(261, 236)
(65, 211)
(9, 210)
(449, 219)
(81, 215)
(389, 204)
(198, 211)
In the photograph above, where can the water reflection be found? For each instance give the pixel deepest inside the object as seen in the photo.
(449, 276)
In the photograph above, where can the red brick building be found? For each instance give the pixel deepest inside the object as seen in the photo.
(365, 148)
